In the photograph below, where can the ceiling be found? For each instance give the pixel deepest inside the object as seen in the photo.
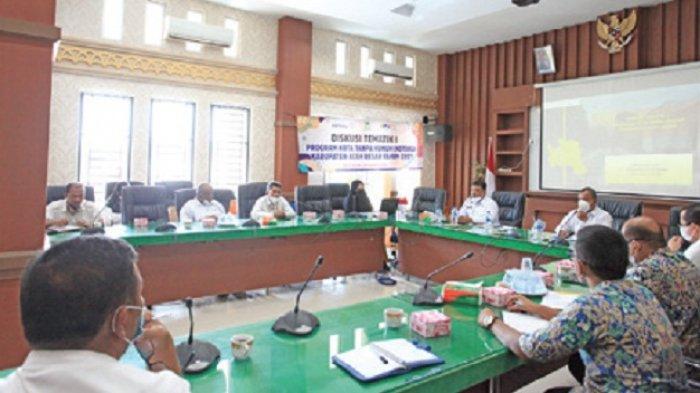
(438, 26)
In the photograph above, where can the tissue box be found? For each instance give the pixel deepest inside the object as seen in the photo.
(497, 296)
(547, 277)
(338, 214)
(308, 216)
(431, 323)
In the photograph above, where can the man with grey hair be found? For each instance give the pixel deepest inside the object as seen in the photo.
(202, 206)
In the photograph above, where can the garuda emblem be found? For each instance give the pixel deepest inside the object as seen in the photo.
(614, 35)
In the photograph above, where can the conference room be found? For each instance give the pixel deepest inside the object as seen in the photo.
(309, 196)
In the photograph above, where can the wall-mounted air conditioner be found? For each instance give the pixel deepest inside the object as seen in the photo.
(183, 29)
(389, 69)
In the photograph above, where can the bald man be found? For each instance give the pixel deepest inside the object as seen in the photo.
(202, 206)
(673, 279)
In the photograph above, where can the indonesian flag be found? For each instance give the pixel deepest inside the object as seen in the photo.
(490, 170)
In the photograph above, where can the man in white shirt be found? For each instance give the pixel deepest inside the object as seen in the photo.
(202, 206)
(690, 232)
(272, 203)
(587, 213)
(73, 210)
(82, 306)
(478, 206)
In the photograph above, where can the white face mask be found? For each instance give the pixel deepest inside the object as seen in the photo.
(583, 206)
(685, 233)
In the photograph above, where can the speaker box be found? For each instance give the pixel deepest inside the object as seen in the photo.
(438, 133)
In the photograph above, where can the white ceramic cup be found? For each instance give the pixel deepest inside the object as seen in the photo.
(393, 317)
(241, 345)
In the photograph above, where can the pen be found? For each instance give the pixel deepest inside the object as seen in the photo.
(383, 359)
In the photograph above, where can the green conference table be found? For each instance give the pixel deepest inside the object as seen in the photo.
(201, 261)
(280, 363)
(423, 247)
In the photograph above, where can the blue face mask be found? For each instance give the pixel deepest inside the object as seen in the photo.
(139, 324)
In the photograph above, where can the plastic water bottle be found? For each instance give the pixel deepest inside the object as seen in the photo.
(454, 214)
(537, 230)
(488, 224)
(439, 216)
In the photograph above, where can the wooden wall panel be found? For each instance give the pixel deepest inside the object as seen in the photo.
(666, 34)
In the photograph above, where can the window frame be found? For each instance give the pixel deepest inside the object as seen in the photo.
(235, 50)
(104, 24)
(163, 17)
(345, 57)
(211, 138)
(198, 45)
(130, 138)
(388, 79)
(149, 175)
(412, 82)
(369, 60)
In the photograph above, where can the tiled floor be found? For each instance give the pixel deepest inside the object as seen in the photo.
(212, 313)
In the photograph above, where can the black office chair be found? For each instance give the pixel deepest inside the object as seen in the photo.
(116, 203)
(247, 195)
(511, 207)
(172, 186)
(338, 193)
(389, 205)
(182, 196)
(224, 197)
(312, 198)
(144, 202)
(621, 210)
(428, 199)
(56, 193)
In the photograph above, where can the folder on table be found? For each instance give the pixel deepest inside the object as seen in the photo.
(382, 359)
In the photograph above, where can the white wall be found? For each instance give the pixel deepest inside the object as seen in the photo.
(65, 121)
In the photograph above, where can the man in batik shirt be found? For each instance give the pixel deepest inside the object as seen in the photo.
(621, 331)
(674, 280)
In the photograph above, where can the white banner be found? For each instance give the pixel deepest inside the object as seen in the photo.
(333, 144)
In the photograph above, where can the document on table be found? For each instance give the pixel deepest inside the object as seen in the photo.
(558, 299)
(522, 322)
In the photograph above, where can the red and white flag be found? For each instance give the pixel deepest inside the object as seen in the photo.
(490, 169)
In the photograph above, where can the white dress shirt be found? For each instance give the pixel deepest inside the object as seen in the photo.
(86, 371)
(479, 208)
(194, 210)
(266, 205)
(57, 210)
(692, 253)
(572, 224)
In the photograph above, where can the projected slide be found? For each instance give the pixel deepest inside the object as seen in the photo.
(638, 135)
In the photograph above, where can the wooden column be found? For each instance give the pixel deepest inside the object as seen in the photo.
(27, 35)
(293, 96)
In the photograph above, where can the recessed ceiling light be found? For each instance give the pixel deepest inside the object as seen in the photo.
(405, 10)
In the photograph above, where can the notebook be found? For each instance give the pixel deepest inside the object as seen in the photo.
(382, 359)
(523, 323)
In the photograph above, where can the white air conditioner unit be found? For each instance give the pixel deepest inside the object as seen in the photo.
(389, 69)
(183, 29)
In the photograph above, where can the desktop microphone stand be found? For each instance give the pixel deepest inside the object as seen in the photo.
(299, 322)
(195, 356)
(427, 296)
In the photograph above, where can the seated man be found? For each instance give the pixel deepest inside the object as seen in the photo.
(621, 331)
(690, 232)
(202, 206)
(357, 200)
(74, 210)
(586, 214)
(81, 308)
(674, 280)
(478, 206)
(272, 203)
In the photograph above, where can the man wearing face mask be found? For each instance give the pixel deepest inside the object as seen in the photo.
(672, 278)
(357, 200)
(587, 213)
(202, 206)
(272, 203)
(74, 210)
(478, 207)
(690, 232)
(81, 308)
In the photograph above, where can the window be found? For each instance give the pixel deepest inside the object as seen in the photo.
(172, 133)
(229, 146)
(197, 17)
(232, 50)
(153, 31)
(112, 19)
(411, 63)
(365, 68)
(105, 140)
(340, 48)
(388, 58)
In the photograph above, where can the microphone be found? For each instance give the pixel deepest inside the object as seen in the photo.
(299, 322)
(93, 230)
(426, 296)
(195, 356)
